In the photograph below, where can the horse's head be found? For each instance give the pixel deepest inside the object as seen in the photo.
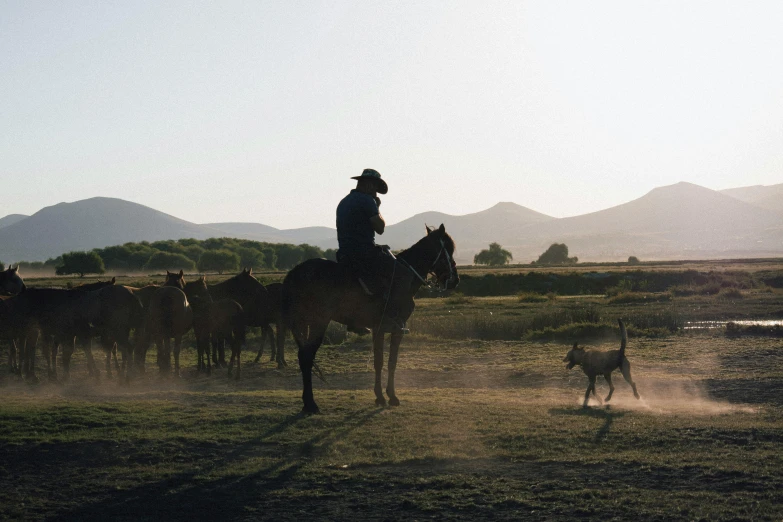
(11, 282)
(175, 279)
(197, 290)
(444, 267)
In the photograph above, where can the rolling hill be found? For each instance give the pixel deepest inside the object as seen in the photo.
(768, 197)
(10, 219)
(673, 222)
(91, 223)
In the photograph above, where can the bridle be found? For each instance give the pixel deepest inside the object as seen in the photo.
(443, 254)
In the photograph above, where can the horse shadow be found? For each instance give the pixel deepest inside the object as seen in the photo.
(606, 414)
(190, 496)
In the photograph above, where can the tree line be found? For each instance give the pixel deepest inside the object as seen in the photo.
(207, 255)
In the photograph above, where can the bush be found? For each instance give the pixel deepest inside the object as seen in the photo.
(168, 261)
(494, 256)
(81, 263)
(556, 254)
(218, 261)
(633, 260)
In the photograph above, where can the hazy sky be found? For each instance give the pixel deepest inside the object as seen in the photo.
(261, 111)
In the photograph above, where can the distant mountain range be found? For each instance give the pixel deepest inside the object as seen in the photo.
(673, 222)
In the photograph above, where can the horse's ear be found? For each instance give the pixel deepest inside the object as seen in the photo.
(181, 273)
(15, 269)
(113, 280)
(168, 273)
(429, 229)
(204, 278)
(250, 271)
(442, 228)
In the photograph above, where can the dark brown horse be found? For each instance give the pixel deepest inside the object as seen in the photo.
(11, 282)
(275, 315)
(251, 295)
(215, 323)
(169, 316)
(318, 291)
(62, 316)
(114, 312)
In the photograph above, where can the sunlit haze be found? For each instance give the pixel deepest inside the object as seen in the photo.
(262, 111)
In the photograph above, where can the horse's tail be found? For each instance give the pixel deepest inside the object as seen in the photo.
(623, 342)
(137, 312)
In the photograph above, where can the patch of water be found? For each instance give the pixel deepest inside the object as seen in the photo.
(704, 325)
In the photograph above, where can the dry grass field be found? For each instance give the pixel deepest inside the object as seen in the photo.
(489, 428)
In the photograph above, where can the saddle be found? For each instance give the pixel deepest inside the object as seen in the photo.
(373, 284)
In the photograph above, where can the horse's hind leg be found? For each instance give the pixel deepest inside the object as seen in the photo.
(377, 346)
(236, 352)
(394, 350)
(177, 346)
(116, 361)
(264, 332)
(280, 342)
(51, 361)
(306, 354)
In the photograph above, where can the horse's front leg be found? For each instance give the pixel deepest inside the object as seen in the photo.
(261, 346)
(394, 350)
(377, 347)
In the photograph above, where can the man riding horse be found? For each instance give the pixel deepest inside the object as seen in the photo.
(358, 220)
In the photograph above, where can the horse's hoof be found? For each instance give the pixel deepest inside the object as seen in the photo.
(380, 401)
(394, 401)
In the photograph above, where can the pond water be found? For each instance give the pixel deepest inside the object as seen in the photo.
(703, 325)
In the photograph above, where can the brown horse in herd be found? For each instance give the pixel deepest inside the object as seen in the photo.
(215, 323)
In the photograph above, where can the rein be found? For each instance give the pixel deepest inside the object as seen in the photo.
(442, 252)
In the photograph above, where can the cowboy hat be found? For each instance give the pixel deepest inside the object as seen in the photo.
(374, 175)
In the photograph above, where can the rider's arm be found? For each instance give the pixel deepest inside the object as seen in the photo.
(378, 224)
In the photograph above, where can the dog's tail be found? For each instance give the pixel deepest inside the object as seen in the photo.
(623, 343)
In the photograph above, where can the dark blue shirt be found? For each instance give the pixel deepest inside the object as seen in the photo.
(354, 230)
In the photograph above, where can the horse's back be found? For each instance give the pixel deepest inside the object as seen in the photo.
(169, 312)
(117, 305)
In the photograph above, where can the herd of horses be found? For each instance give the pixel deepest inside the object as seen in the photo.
(312, 294)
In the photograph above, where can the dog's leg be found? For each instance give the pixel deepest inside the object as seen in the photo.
(608, 377)
(590, 387)
(626, 369)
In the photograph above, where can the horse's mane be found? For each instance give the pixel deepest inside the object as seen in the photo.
(425, 242)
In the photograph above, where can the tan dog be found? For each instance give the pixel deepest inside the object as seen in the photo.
(595, 363)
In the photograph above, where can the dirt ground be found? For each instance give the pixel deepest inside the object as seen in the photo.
(486, 430)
